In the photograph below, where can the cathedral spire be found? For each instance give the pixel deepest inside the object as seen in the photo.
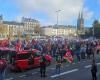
(81, 14)
(80, 21)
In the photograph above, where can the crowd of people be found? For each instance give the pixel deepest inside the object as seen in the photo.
(79, 49)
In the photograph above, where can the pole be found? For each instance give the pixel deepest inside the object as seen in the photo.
(93, 32)
(93, 48)
(57, 19)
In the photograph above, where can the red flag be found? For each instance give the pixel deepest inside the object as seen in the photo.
(3, 64)
(68, 56)
(18, 46)
(5, 42)
(34, 41)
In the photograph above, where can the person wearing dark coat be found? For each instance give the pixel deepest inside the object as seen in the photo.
(43, 66)
(94, 70)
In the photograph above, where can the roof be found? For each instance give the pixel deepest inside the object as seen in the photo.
(12, 23)
(59, 26)
(29, 20)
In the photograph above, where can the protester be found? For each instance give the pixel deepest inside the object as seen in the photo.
(88, 51)
(77, 53)
(94, 70)
(58, 65)
(43, 66)
(83, 51)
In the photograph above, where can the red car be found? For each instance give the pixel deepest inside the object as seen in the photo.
(26, 59)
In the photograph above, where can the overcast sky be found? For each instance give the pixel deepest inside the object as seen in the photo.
(45, 10)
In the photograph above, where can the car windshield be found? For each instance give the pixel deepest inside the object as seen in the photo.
(22, 56)
(37, 54)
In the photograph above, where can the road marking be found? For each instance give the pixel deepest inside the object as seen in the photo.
(87, 66)
(22, 75)
(57, 75)
(34, 73)
(9, 79)
(91, 65)
(98, 63)
(84, 61)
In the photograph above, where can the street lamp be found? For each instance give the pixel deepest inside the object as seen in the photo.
(57, 19)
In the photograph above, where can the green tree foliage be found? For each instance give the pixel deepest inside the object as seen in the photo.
(96, 25)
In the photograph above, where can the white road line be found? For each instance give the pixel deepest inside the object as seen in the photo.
(22, 76)
(9, 79)
(57, 75)
(98, 63)
(87, 66)
(34, 73)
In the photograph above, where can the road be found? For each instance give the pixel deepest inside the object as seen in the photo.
(75, 71)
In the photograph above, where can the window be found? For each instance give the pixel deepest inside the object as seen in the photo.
(37, 54)
(23, 56)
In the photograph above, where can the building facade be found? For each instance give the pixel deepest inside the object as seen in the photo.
(59, 30)
(13, 28)
(30, 25)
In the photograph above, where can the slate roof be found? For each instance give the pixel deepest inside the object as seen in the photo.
(12, 23)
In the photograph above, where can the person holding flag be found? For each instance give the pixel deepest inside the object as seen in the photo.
(68, 56)
(18, 46)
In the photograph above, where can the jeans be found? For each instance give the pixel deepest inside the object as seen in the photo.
(78, 58)
(43, 71)
(57, 69)
(94, 77)
(2, 74)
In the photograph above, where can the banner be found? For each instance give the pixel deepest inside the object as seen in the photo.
(18, 46)
(68, 56)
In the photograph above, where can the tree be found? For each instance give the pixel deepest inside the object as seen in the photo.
(88, 33)
(96, 26)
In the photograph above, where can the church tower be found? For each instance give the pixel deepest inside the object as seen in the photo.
(80, 21)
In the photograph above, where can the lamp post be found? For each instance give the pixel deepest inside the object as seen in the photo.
(93, 32)
(57, 19)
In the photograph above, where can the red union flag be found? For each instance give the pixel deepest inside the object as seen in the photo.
(68, 56)
(18, 46)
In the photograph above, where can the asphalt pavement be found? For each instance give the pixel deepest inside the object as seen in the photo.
(74, 71)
